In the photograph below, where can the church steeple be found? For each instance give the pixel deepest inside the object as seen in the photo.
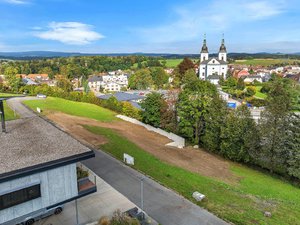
(223, 47)
(204, 50)
(223, 51)
(204, 46)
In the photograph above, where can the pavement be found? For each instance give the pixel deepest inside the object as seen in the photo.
(92, 207)
(160, 203)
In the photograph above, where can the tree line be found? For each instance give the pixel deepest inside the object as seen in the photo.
(196, 112)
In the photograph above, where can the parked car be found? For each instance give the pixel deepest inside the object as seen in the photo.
(41, 96)
(42, 214)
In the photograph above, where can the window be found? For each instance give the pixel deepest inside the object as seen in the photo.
(20, 196)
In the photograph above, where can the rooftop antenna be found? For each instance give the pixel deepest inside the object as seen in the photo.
(2, 115)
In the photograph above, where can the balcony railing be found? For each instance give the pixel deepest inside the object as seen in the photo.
(86, 185)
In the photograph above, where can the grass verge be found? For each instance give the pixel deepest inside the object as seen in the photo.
(73, 108)
(242, 203)
(9, 113)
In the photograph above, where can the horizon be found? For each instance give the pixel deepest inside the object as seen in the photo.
(131, 26)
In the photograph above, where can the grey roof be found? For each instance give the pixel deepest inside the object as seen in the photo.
(212, 77)
(29, 81)
(95, 78)
(205, 62)
(122, 96)
(34, 142)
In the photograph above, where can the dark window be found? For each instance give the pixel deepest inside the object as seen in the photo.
(20, 196)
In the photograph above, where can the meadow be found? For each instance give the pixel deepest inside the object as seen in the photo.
(265, 62)
(73, 108)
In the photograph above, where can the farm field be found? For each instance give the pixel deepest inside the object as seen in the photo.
(264, 62)
(234, 192)
(171, 63)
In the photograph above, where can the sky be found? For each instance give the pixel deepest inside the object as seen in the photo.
(156, 26)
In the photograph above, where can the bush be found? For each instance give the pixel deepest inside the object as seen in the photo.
(257, 102)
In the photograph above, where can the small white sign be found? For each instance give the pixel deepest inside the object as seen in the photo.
(198, 196)
(38, 110)
(128, 159)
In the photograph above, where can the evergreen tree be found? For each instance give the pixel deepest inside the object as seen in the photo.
(274, 126)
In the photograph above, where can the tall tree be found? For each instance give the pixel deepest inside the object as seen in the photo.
(159, 76)
(192, 107)
(185, 65)
(151, 106)
(274, 125)
(141, 79)
(237, 135)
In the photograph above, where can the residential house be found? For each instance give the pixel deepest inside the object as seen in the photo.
(250, 79)
(38, 170)
(242, 73)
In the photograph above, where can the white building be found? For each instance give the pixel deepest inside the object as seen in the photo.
(213, 66)
(250, 79)
(38, 171)
(108, 82)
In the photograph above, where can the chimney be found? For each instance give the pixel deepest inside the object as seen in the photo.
(2, 114)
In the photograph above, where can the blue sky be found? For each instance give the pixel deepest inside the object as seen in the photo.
(168, 26)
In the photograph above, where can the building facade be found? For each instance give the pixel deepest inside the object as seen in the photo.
(213, 65)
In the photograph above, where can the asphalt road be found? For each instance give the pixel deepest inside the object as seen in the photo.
(162, 204)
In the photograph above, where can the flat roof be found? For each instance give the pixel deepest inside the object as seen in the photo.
(33, 143)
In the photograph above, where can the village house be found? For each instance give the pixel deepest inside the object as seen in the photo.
(251, 79)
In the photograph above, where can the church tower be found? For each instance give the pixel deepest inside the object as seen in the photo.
(204, 51)
(222, 51)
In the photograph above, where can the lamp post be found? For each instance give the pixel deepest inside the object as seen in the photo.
(2, 115)
(142, 193)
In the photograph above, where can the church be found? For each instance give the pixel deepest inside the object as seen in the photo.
(211, 68)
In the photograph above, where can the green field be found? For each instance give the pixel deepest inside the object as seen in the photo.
(5, 95)
(242, 203)
(171, 63)
(73, 108)
(259, 94)
(264, 62)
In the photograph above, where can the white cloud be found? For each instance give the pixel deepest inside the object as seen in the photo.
(192, 20)
(73, 33)
(17, 2)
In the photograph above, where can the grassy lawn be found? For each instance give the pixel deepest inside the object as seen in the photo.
(4, 95)
(264, 62)
(73, 108)
(240, 203)
(259, 94)
(9, 113)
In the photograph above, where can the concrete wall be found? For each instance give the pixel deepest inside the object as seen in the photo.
(178, 141)
(57, 185)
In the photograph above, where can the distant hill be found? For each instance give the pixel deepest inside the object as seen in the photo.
(52, 54)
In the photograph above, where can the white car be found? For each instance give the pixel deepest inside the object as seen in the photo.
(41, 96)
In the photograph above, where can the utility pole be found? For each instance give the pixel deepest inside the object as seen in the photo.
(77, 219)
(142, 193)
